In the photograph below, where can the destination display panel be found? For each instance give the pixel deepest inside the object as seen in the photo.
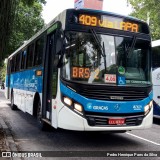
(106, 20)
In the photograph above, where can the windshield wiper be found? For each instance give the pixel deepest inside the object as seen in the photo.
(101, 47)
(130, 49)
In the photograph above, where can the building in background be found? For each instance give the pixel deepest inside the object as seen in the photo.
(91, 4)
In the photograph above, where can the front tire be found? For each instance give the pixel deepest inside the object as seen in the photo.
(42, 125)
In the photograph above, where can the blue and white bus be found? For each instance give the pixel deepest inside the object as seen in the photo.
(87, 70)
(156, 77)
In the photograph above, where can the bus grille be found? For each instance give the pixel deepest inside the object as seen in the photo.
(109, 92)
(113, 95)
(102, 121)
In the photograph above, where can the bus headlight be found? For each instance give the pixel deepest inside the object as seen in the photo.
(68, 101)
(73, 105)
(78, 107)
(148, 107)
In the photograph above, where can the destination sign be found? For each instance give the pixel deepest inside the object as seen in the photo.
(99, 19)
(108, 22)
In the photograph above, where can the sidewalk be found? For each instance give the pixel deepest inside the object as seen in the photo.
(7, 143)
(3, 143)
(4, 147)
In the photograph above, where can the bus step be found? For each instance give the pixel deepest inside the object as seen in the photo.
(46, 120)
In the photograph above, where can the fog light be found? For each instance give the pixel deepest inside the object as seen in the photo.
(68, 101)
(78, 107)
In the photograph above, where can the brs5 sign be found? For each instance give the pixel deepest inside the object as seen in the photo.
(83, 73)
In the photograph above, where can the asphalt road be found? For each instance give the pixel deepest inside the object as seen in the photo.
(28, 137)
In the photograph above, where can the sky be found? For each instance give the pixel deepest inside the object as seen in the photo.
(54, 7)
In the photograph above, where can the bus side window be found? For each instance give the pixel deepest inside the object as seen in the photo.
(30, 53)
(39, 48)
(156, 57)
(17, 64)
(11, 61)
(9, 66)
(13, 64)
(23, 59)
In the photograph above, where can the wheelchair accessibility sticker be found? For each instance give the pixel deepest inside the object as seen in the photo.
(121, 80)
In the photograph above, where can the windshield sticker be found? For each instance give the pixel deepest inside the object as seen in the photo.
(121, 70)
(121, 80)
(110, 78)
(137, 82)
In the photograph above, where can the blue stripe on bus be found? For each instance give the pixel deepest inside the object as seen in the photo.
(102, 106)
(26, 80)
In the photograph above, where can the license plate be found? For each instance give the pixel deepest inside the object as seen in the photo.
(116, 121)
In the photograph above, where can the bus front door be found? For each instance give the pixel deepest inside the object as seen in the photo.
(50, 82)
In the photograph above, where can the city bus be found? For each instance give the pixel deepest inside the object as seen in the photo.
(87, 70)
(156, 77)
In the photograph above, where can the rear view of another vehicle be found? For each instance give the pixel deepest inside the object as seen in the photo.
(156, 77)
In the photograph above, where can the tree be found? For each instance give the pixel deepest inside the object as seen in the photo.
(28, 21)
(18, 23)
(3, 72)
(7, 18)
(148, 10)
(7, 9)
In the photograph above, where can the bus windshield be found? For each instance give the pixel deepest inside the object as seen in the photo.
(125, 60)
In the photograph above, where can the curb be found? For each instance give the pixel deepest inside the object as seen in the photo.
(9, 138)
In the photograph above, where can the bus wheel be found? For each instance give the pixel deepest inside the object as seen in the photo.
(13, 106)
(42, 125)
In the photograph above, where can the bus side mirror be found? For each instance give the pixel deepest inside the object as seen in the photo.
(60, 46)
(59, 42)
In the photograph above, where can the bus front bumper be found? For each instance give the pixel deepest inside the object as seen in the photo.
(67, 119)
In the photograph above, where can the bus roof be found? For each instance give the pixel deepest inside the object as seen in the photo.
(156, 43)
